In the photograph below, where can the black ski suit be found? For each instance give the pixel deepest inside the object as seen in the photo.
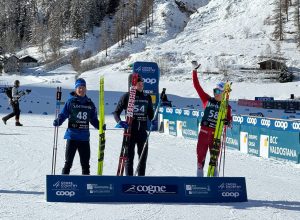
(14, 102)
(143, 110)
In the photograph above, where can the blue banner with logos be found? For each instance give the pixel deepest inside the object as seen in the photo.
(249, 134)
(250, 140)
(233, 137)
(68, 188)
(281, 145)
(151, 74)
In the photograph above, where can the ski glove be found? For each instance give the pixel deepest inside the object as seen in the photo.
(122, 124)
(195, 65)
(227, 122)
(56, 123)
(153, 123)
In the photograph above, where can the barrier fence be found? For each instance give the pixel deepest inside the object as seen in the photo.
(259, 136)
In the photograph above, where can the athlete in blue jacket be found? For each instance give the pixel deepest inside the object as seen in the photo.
(80, 111)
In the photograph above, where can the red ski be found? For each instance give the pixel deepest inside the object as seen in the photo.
(127, 132)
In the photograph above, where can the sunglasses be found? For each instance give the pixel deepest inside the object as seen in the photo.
(217, 91)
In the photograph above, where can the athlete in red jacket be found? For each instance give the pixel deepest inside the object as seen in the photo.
(209, 120)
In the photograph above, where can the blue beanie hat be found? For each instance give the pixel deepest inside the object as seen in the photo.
(80, 82)
(220, 85)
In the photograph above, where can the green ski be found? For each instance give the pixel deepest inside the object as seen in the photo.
(101, 127)
(222, 115)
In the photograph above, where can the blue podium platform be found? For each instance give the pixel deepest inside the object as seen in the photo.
(150, 189)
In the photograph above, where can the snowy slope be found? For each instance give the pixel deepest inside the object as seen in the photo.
(26, 158)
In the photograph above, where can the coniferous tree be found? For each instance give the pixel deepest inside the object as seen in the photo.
(297, 22)
(279, 25)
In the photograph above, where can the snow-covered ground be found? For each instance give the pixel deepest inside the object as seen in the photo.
(273, 187)
(222, 32)
(26, 154)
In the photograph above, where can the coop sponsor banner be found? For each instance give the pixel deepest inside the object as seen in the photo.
(246, 133)
(68, 188)
(250, 140)
(151, 74)
(273, 124)
(281, 145)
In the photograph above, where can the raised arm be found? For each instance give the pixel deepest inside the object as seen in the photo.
(203, 95)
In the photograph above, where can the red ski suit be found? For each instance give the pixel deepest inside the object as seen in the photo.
(206, 134)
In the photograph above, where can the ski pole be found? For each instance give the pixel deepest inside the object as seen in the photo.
(223, 146)
(224, 153)
(58, 99)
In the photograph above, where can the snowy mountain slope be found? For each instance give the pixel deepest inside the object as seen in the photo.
(168, 22)
(228, 32)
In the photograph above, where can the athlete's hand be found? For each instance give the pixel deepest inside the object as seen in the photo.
(122, 124)
(195, 65)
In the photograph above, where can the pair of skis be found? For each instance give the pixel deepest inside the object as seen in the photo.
(222, 116)
(127, 132)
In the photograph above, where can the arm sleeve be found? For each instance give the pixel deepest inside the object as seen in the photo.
(150, 110)
(122, 104)
(64, 114)
(203, 95)
(94, 118)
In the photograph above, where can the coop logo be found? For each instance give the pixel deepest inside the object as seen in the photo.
(195, 113)
(296, 125)
(149, 189)
(265, 122)
(252, 121)
(169, 110)
(231, 194)
(150, 80)
(186, 112)
(65, 193)
(281, 124)
(178, 111)
(238, 119)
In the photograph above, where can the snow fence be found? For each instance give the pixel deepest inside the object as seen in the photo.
(259, 136)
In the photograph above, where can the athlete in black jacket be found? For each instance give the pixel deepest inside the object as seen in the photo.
(143, 110)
